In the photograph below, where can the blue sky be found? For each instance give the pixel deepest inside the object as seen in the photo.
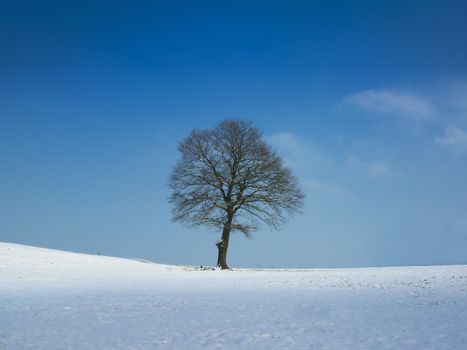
(366, 101)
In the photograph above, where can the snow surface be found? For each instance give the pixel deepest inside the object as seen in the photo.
(58, 300)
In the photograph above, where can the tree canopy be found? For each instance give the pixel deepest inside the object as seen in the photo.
(229, 178)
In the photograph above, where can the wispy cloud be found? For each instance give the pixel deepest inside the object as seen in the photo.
(451, 96)
(297, 152)
(307, 161)
(455, 138)
(392, 102)
(443, 103)
(375, 169)
(327, 188)
(288, 141)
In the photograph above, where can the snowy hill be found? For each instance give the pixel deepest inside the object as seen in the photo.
(58, 300)
(25, 267)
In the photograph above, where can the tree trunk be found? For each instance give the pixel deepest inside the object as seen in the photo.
(223, 245)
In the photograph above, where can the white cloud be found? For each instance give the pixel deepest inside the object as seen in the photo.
(455, 138)
(392, 102)
(373, 169)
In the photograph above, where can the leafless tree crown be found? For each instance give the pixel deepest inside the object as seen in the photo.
(230, 172)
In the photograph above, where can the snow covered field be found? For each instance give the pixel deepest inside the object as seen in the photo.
(58, 300)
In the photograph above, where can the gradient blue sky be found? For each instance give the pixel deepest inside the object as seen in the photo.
(366, 101)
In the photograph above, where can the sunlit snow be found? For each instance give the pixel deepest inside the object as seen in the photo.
(58, 300)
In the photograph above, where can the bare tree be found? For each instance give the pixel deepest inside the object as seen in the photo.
(229, 178)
